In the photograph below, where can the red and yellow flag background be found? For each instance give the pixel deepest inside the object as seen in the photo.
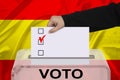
(17, 17)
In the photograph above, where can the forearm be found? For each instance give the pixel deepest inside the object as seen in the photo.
(97, 19)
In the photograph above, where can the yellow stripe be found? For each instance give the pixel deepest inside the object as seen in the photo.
(15, 35)
(107, 41)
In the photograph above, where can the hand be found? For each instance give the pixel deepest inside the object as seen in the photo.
(57, 22)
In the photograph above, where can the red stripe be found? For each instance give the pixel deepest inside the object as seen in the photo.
(6, 67)
(43, 9)
(115, 69)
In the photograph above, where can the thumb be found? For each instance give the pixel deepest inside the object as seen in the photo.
(58, 27)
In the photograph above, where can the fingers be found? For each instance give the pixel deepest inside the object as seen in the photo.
(58, 27)
(56, 22)
(50, 23)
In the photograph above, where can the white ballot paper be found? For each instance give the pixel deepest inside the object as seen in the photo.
(67, 43)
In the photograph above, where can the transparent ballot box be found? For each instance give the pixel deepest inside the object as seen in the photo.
(97, 69)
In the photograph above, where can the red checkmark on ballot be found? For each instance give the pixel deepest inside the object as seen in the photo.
(42, 38)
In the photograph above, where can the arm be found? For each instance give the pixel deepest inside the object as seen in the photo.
(97, 19)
